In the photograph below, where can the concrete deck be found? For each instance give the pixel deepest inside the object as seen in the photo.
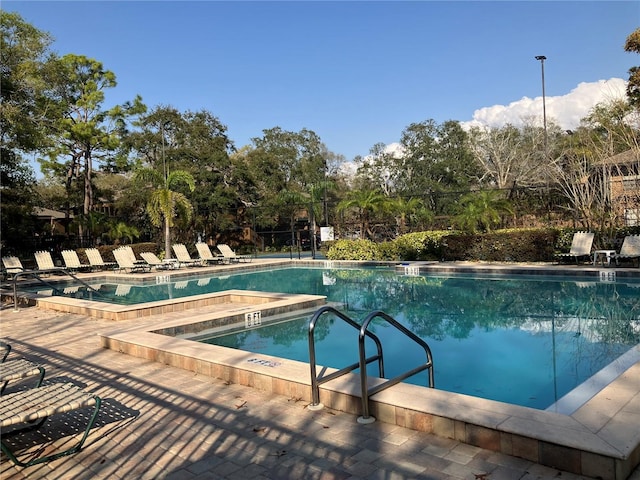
(160, 421)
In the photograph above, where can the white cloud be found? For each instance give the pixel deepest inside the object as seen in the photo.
(565, 110)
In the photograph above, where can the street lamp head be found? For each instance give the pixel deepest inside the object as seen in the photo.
(540, 57)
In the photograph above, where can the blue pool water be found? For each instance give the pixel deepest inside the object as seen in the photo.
(521, 340)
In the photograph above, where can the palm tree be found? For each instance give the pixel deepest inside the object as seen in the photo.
(165, 204)
(482, 210)
(408, 209)
(367, 202)
(119, 231)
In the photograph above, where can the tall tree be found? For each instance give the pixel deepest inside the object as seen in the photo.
(511, 156)
(436, 162)
(195, 142)
(24, 59)
(632, 45)
(85, 131)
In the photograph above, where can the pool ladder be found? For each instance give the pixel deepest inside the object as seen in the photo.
(363, 361)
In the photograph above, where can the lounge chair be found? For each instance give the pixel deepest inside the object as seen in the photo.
(206, 256)
(7, 349)
(95, 260)
(630, 249)
(123, 257)
(231, 256)
(580, 246)
(183, 256)
(12, 265)
(72, 262)
(20, 369)
(17, 369)
(153, 260)
(25, 407)
(45, 262)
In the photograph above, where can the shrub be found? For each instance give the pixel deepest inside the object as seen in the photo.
(420, 245)
(353, 250)
(513, 245)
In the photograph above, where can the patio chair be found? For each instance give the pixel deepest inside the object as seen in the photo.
(206, 256)
(95, 260)
(231, 256)
(45, 262)
(12, 265)
(17, 369)
(153, 260)
(630, 249)
(580, 246)
(72, 261)
(126, 264)
(28, 409)
(7, 349)
(183, 256)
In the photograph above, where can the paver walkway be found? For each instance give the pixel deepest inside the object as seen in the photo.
(159, 422)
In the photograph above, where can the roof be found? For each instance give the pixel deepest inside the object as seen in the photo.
(48, 214)
(624, 158)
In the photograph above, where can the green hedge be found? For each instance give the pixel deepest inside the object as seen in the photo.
(513, 245)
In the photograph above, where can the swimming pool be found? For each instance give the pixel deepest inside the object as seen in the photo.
(526, 340)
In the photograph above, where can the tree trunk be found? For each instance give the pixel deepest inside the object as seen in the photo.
(167, 239)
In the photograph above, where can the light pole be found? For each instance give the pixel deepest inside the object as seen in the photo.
(542, 58)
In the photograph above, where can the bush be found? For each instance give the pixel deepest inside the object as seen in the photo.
(421, 245)
(521, 245)
(353, 250)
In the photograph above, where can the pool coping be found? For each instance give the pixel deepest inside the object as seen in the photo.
(599, 439)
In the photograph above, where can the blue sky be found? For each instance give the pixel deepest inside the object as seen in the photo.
(356, 73)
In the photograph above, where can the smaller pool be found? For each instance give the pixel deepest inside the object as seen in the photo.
(532, 365)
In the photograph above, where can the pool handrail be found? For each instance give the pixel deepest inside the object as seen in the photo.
(367, 392)
(317, 381)
(36, 274)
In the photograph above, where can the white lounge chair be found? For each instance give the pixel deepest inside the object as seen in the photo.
(231, 256)
(206, 256)
(630, 249)
(72, 261)
(18, 369)
(153, 260)
(183, 256)
(95, 260)
(580, 246)
(45, 262)
(123, 257)
(12, 265)
(32, 407)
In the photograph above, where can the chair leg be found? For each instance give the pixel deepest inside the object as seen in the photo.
(76, 448)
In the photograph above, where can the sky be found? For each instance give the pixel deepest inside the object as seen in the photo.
(357, 73)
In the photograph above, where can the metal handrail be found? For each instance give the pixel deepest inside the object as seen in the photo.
(367, 392)
(317, 381)
(36, 274)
